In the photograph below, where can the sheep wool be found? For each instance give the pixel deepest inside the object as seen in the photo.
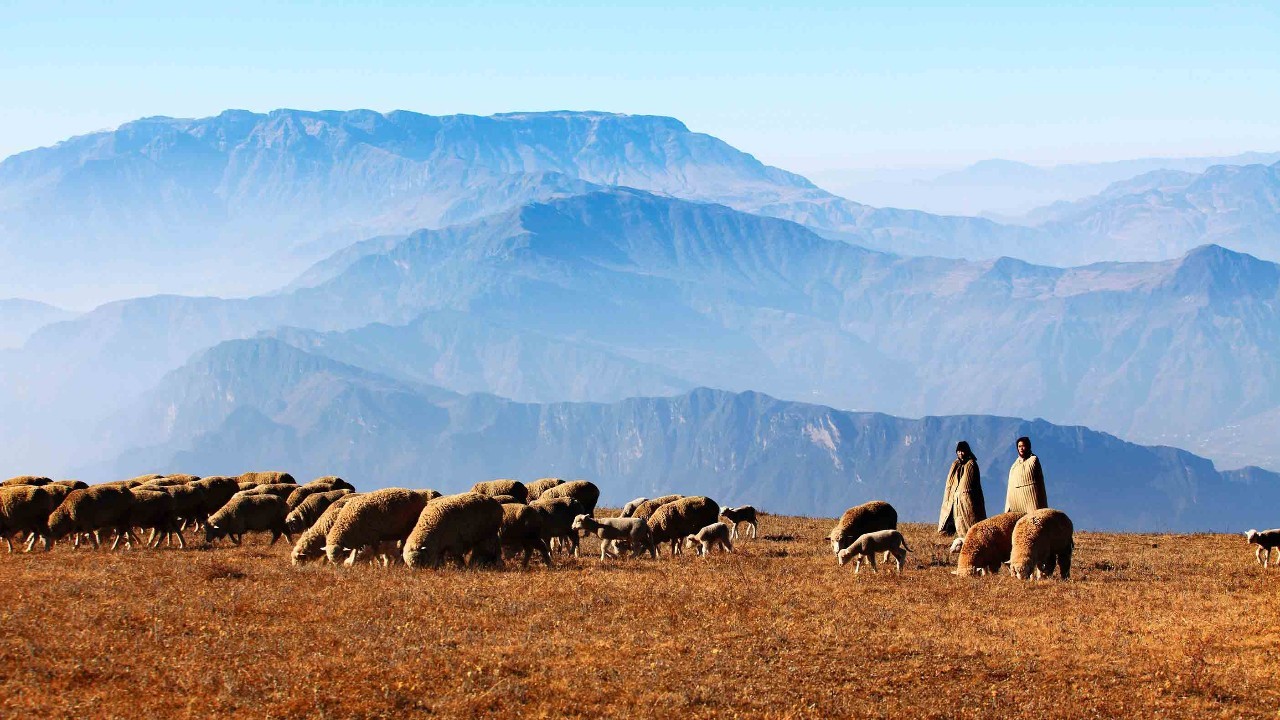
(385, 515)
(455, 525)
(217, 492)
(557, 515)
(584, 491)
(73, 484)
(1041, 539)
(309, 511)
(987, 545)
(541, 485)
(860, 520)
(521, 531)
(674, 521)
(25, 509)
(268, 478)
(494, 488)
(97, 507)
(310, 545)
(248, 513)
(646, 509)
(21, 480)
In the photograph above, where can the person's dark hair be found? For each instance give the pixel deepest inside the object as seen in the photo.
(963, 447)
(1024, 439)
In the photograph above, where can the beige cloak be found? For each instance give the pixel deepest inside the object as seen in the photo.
(1026, 486)
(962, 503)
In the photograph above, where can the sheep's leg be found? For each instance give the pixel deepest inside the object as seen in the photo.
(96, 538)
(754, 531)
(182, 542)
(351, 559)
(7, 542)
(151, 538)
(874, 568)
(130, 536)
(31, 543)
(857, 565)
(115, 542)
(1064, 564)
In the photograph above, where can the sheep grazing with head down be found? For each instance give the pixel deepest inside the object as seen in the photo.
(310, 545)
(453, 526)
(541, 485)
(584, 491)
(26, 480)
(646, 509)
(1041, 539)
(1265, 540)
(557, 515)
(494, 488)
(987, 545)
(374, 519)
(630, 508)
(248, 513)
(714, 535)
(889, 542)
(633, 531)
(92, 510)
(736, 516)
(304, 515)
(673, 522)
(521, 531)
(860, 520)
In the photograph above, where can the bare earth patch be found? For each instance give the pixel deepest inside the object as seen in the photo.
(1149, 626)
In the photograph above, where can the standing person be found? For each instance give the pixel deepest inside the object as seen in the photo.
(962, 501)
(1026, 481)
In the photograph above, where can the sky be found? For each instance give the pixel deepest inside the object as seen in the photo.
(821, 87)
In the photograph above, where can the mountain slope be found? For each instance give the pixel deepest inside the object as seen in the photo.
(238, 203)
(20, 318)
(315, 417)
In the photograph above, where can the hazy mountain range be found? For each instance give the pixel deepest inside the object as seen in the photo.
(19, 318)
(263, 403)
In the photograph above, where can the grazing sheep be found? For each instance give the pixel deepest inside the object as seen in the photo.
(188, 502)
(522, 531)
(310, 545)
(890, 542)
(248, 513)
(1265, 540)
(217, 492)
(493, 488)
(1042, 539)
(745, 514)
(646, 509)
(96, 508)
(584, 491)
(309, 511)
(634, 531)
(558, 514)
(987, 545)
(267, 478)
(629, 509)
(717, 533)
(386, 515)
(29, 480)
(154, 510)
(25, 510)
(73, 484)
(860, 520)
(672, 522)
(541, 485)
(455, 525)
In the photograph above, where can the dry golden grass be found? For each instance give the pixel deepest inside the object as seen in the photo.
(1149, 626)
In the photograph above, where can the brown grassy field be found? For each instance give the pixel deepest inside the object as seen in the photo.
(1149, 626)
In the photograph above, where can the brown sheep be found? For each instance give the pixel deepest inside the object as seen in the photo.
(493, 488)
(25, 509)
(541, 485)
(280, 490)
(272, 477)
(987, 545)
(506, 500)
(96, 508)
(154, 510)
(374, 518)
(304, 515)
(310, 545)
(860, 520)
(452, 526)
(673, 522)
(522, 531)
(584, 491)
(557, 515)
(248, 513)
(217, 492)
(645, 510)
(28, 480)
(328, 483)
(1042, 539)
(72, 484)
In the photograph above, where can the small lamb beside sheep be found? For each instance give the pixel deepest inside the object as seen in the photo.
(1265, 540)
(745, 514)
(633, 530)
(890, 542)
(717, 534)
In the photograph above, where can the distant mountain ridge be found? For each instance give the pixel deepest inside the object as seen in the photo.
(263, 403)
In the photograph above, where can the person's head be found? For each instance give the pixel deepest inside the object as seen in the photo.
(962, 451)
(1024, 447)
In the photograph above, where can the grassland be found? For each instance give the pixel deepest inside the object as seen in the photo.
(1149, 626)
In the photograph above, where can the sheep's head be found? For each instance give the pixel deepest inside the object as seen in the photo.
(59, 523)
(1023, 569)
(691, 540)
(415, 557)
(294, 522)
(1251, 536)
(213, 532)
(581, 522)
(957, 544)
(333, 552)
(844, 555)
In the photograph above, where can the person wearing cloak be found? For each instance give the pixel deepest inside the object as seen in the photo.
(962, 501)
(1026, 482)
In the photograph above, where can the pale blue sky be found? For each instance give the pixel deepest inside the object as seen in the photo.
(816, 88)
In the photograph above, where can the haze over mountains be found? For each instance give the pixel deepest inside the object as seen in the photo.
(504, 268)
